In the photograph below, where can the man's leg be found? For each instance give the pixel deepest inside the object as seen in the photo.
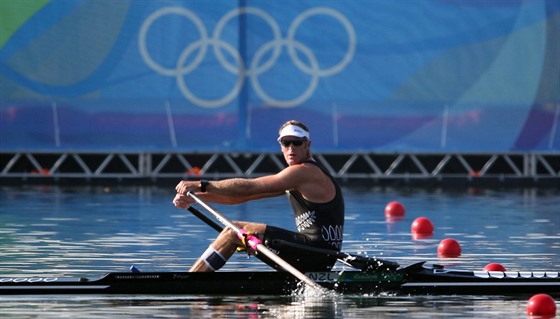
(223, 247)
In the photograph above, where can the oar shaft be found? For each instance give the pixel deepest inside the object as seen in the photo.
(205, 219)
(219, 216)
(258, 245)
(289, 268)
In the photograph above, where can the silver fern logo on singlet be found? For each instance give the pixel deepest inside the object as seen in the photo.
(305, 220)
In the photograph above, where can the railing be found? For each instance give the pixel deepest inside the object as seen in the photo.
(154, 166)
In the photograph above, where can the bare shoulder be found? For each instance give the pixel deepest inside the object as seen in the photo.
(306, 169)
(310, 181)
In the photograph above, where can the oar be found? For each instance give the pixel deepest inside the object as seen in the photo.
(205, 219)
(356, 261)
(255, 243)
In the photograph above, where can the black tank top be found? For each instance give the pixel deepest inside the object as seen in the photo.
(321, 222)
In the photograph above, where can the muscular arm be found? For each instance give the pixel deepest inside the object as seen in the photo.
(230, 191)
(238, 190)
(306, 178)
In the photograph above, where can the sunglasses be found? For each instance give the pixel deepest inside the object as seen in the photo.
(295, 142)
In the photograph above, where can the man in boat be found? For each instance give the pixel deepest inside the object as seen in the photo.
(315, 197)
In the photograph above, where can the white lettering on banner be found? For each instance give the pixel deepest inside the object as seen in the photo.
(264, 59)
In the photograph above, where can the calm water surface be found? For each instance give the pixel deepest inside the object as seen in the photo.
(88, 231)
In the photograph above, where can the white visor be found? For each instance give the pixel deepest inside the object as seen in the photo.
(293, 130)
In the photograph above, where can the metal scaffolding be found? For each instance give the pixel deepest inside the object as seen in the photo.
(122, 166)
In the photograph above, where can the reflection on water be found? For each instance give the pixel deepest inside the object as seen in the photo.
(263, 307)
(88, 231)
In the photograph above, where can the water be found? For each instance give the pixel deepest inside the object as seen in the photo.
(91, 230)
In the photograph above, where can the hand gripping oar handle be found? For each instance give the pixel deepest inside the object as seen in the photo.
(256, 244)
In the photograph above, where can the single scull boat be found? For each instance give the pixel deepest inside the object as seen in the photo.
(416, 279)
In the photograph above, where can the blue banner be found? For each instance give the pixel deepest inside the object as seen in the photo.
(415, 75)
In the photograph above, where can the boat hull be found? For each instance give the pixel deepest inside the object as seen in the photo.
(419, 281)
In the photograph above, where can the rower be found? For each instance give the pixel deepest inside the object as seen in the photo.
(315, 197)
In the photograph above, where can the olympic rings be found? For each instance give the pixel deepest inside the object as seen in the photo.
(345, 23)
(181, 81)
(306, 94)
(256, 68)
(143, 35)
(267, 18)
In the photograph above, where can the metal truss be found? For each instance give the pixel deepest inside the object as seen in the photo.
(154, 166)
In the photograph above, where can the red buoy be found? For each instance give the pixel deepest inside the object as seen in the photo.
(541, 305)
(394, 209)
(422, 225)
(494, 267)
(449, 248)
